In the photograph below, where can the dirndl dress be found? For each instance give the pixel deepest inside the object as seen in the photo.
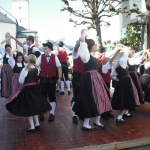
(6, 78)
(28, 101)
(134, 75)
(93, 98)
(125, 95)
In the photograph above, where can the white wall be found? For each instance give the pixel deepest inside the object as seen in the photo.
(8, 28)
(20, 10)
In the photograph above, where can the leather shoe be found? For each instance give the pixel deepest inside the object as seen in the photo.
(118, 121)
(88, 129)
(75, 119)
(51, 118)
(100, 126)
(41, 117)
(31, 130)
(62, 93)
(37, 127)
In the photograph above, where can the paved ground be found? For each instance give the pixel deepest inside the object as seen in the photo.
(62, 134)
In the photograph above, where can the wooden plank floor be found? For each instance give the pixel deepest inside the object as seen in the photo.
(63, 134)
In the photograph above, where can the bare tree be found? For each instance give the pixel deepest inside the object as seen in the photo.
(95, 11)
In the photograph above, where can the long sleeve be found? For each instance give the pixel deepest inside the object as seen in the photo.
(105, 68)
(23, 75)
(133, 61)
(113, 74)
(11, 62)
(123, 61)
(85, 55)
(38, 62)
(2, 50)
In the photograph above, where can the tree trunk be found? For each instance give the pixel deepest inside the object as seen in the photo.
(98, 36)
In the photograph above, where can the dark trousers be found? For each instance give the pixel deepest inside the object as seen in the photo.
(48, 86)
(76, 83)
(64, 67)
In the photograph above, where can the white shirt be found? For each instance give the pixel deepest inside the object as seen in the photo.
(75, 55)
(12, 62)
(38, 62)
(26, 47)
(122, 63)
(134, 61)
(106, 67)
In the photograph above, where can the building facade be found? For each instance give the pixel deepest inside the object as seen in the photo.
(20, 9)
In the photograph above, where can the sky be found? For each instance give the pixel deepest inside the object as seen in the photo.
(50, 23)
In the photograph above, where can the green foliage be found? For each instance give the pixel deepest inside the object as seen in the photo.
(132, 36)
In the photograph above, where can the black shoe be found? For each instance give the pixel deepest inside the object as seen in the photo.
(69, 92)
(88, 129)
(41, 117)
(62, 93)
(37, 127)
(100, 126)
(51, 118)
(75, 119)
(31, 130)
(118, 121)
(110, 115)
(128, 115)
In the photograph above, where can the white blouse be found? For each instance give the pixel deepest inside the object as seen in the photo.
(122, 63)
(106, 67)
(12, 62)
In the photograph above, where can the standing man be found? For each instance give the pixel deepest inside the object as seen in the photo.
(30, 48)
(48, 64)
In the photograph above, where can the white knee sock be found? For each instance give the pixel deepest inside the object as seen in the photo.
(126, 112)
(31, 122)
(53, 105)
(86, 123)
(62, 86)
(57, 87)
(73, 113)
(68, 85)
(97, 120)
(36, 119)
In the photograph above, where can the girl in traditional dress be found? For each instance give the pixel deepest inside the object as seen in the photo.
(7, 72)
(125, 96)
(17, 65)
(28, 101)
(132, 63)
(93, 98)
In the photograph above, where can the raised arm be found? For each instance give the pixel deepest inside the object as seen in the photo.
(18, 42)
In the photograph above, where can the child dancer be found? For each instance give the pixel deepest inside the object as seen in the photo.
(28, 101)
(48, 64)
(62, 56)
(125, 96)
(17, 65)
(93, 98)
(105, 67)
(132, 63)
(7, 72)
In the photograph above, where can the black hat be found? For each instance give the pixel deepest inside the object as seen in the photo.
(49, 45)
(61, 44)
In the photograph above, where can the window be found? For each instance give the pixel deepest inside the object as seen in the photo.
(6, 36)
(20, 20)
(19, 7)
